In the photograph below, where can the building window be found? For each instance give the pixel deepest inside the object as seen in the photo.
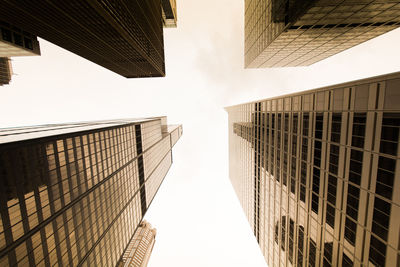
(390, 133)
(336, 127)
(28, 43)
(312, 253)
(346, 261)
(6, 35)
(328, 248)
(385, 177)
(377, 252)
(18, 39)
(359, 120)
(300, 246)
(283, 233)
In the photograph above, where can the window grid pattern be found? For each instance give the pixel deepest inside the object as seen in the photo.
(123, 36)
(281, 33)
(334, 139)
(75, 199)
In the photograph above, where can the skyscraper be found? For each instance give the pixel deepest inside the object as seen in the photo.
(14, 42)
(123, 36)
(318, 173)
(140, 247)
(169, 13)
(74, 194)
(284, 33)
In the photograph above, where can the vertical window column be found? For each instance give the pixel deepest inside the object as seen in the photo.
(384, 188)
(333, 168)
(353, 189)
(139, 149)
(304, 155)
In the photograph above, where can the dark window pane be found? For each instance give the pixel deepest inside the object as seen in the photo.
(347, 262)
(312, 253)
(350, 231)
(387, 163)
(330, 215)
(18, 39)
(377, 252)
(28, 43)
(6, 34)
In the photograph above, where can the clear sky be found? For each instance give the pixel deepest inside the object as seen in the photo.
(198, 218)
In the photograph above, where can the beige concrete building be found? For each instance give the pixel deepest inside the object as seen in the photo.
(140, 247)
(283, 33)
(318, 173)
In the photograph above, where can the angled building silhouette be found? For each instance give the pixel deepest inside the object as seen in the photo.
(290, 33)
(123, 36)
(318, 173)
(74, 194)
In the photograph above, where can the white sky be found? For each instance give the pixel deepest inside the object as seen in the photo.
(198, 218)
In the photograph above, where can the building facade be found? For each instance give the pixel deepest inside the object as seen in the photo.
(74, 194)
(289, 33)
(5, 70)
(14, 42)
(169, 13)
(140, 247)
(123, 36)
(318, 173)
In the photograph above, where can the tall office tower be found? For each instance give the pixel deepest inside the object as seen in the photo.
(140, 247)
(169, 13)
(5, 70)
(14, 42)
(318, 173)
(123, 36)
(289, 33)
(74, 194)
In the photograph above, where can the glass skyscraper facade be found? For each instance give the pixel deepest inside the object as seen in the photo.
(318, 173)
(123, 36)
(74, 194)
(289, 33)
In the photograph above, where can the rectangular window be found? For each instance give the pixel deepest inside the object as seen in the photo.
(283, 233)
(319, 123)
(332, 188)
(306, 119)
(330, 215)
(346, 261)
(385, 177)
(356, 157)
(293, 176)
(377, 252)
(350, 231)
(300, 246)
(359, 121)
(390, 133)
(295, 122)
(328, 248)
(334, 159)
(291, 237)
(312, 253)
(315, 189)
(336, 127)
